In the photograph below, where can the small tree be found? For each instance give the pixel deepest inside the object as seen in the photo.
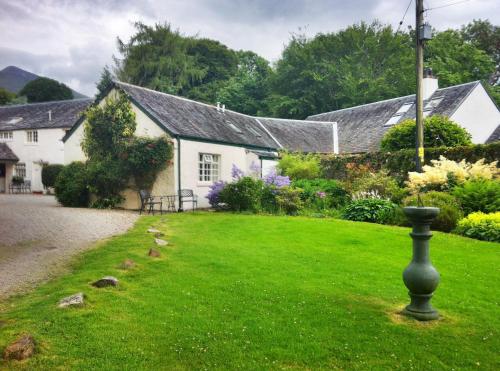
(50, 173)
(439, 131)
(44, 89)
(6, 96)
(104, 83)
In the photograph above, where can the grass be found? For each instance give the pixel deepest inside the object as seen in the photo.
(259, 292)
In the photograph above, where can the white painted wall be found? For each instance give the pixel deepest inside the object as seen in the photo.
(49, 148)
(478, 115)
(229, 155)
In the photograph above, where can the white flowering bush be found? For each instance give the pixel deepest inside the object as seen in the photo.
(444, 173)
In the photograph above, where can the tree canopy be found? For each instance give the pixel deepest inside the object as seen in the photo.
(6, 96)
(44, 89)
(360, 64)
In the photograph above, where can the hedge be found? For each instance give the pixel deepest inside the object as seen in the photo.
(399, 163)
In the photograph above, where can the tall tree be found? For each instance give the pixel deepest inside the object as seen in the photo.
(363, 63)
(104, 83)
(456, 61)
(248, 89)
(44, 89)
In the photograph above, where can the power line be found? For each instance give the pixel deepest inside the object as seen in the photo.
(404, 15)
(447, 5)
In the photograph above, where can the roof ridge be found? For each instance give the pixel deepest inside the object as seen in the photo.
(391, 99)
(42, 103)
(215, 107)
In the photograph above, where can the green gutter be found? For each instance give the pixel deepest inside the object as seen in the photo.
(179, 172)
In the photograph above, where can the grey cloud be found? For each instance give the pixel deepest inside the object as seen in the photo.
(73, 40)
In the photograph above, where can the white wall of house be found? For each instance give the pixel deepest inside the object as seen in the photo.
(478, 115)
(227, 156)
(49, 149)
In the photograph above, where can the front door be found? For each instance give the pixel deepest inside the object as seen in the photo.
(2, 178)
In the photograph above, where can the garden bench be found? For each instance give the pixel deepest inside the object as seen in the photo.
(187, 195)
(149, 202)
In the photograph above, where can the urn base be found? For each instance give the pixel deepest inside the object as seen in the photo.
(420, 308)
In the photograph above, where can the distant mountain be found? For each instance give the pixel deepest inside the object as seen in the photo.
(13, 79)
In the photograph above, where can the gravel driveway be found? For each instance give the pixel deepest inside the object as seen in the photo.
(37, 237)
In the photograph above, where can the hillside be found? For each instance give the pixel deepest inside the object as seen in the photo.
(13, 79)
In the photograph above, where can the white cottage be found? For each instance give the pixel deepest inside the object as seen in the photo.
(31, 135)
(361, 128)
(208, 140)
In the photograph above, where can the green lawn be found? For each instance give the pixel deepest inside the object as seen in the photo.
(262, 292)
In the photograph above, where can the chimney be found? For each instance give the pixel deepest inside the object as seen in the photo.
(50, 115)
(430, 83)
(218, 106)
(223, 108)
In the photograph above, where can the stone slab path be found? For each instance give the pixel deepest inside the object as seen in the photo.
(38, 237)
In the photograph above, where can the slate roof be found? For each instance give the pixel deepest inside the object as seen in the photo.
(189, 119)
(6, 153)
(495, 136)
(361, 128)
(35, 115)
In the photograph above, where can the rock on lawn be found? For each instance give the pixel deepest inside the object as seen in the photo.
(72, 300)
(22, 348)
(106, 281)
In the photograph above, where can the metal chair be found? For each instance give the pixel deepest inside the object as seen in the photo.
(187, 195)
(148, 201)
(170, 202)
(26, 186)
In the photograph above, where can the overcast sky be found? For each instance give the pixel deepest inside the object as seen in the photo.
(72, 41)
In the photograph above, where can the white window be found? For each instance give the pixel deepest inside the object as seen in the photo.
(433, 103)
(20, 169)
(392, 121)
(404, 108)
(208, 167)
(6, 135)
(32, 136)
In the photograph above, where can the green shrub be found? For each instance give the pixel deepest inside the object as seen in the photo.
(382, 184)
(398, 164)
(480, 226)
(50, 173)
(439, 131)
(299, 166)
(243, 195)
(373, 210)
(322, 193)
(288, 200)
(106, 179)
(449, 206)
(479, 195)
(71, 185)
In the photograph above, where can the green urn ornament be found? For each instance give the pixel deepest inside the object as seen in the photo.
(420, 277)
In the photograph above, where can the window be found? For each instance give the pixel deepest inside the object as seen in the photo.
(208, 167)
(394, 119)
(32, 136)
(234, 127)
(20, 169)
(404, 108)
(6, 135)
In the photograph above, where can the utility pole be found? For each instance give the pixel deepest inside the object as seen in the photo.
(419, 20)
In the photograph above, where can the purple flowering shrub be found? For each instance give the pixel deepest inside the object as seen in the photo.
(237, 173)
(279, 181)
(214, 193)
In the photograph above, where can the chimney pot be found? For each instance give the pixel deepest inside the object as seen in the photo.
(50, 115)
(223, 108)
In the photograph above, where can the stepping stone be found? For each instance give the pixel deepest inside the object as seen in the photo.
(153, 230)
(127, 264)
(154, 253)
(22, 348)
(161, 242)
(159, 234)
(106, 281)
(73, 300)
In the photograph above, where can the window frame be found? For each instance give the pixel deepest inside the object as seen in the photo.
(209, 168)
(6, 135)
(32, 136)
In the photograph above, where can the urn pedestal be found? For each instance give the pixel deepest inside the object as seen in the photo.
(420, 277)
